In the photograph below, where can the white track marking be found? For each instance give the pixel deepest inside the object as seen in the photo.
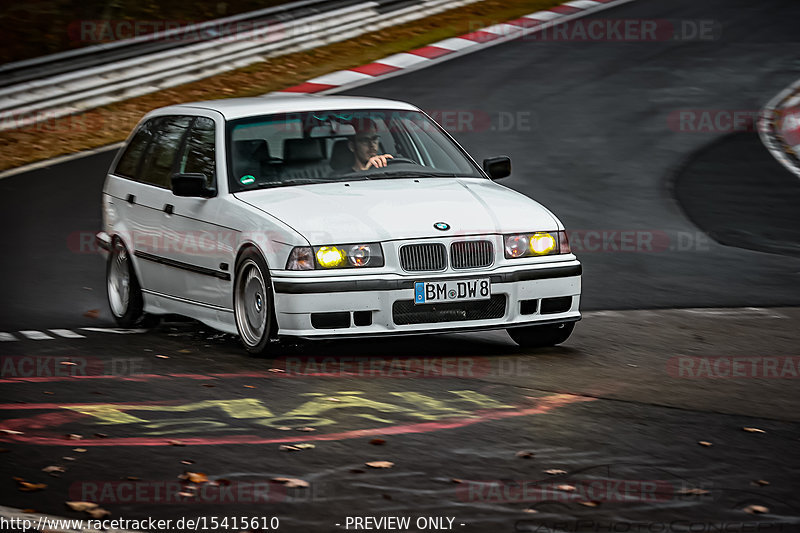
(67, 334)
(402, 60)
(6, 337)
(120, 331)
(36, 335)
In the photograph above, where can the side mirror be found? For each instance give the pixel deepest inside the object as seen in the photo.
(497, 167)
(193, 185)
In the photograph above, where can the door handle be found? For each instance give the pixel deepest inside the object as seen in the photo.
(131, 199)
(169, 208)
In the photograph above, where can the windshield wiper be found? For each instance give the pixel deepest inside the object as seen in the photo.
(397, 174)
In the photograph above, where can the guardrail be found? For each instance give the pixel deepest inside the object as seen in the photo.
(779, 120)
(75, 81)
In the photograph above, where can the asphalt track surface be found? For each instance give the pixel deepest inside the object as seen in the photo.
(607, 406)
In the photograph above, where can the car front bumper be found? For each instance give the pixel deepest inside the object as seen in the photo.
(335, 306)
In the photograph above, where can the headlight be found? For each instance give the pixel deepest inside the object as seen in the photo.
(536, 244)
(335, 256)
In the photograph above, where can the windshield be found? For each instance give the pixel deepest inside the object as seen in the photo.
(326, 146)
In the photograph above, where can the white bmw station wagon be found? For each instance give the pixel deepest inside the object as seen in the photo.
(320, 217)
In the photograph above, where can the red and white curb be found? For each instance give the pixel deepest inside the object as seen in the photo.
(449, 48)
(779, 127)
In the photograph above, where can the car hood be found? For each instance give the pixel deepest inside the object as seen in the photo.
(391, 209)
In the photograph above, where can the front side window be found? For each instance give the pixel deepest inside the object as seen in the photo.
(336, 145)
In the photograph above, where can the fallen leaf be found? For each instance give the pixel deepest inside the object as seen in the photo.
(555, 472)
(73, 436)
(754, 430)
(49, 392)
(175, 443)
(756, 509)
(79, 450)
(249, 386)
(693, 491)
(305, 446)
(377, 442)
(187, 462)
(705, 443)
(184, 351)
(277, 370)
(380, 464)
(456, 480)
(524, 454)
(187, 494)
(566, 488)
(25, 486)
(283, 428)
(68, 458)
(162, 356)
(590, 503)
(68, 363)
(761, 482)
(100, 435)
(529, 510)
(291, 482)
(306, 429)
(332, 399)
(194, 477)
(81, 506)
(98, 513)
(29, 511)
(50, 469)
(288, 448)
(11, 432)
(92, 313)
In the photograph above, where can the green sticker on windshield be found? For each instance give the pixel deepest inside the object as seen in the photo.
(247, 179)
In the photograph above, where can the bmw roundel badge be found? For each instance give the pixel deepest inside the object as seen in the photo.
(442, 226)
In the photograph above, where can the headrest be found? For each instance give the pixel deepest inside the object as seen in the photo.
(342, 158)
(302, 150)
(256, 149)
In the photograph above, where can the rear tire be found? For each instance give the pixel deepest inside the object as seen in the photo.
(541, 336)
(125, 298)
(253, 302)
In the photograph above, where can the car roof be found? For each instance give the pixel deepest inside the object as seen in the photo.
(234, 108)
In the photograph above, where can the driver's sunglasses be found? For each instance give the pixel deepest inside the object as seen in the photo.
(366, 139)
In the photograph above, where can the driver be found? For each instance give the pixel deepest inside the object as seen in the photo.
(365, 145)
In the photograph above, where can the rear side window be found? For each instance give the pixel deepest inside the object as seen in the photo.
(197, 155)
(159, 159)
(128, 165)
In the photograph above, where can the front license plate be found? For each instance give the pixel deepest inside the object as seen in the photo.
(462, 290)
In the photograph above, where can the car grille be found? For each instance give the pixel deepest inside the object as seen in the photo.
(404, 312)
(471, 254)
(423, 257)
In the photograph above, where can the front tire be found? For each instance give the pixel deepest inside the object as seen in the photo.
(541, 336)
(124, 292)
(253, 303)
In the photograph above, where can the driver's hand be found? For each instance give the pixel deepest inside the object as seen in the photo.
(378, 161)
